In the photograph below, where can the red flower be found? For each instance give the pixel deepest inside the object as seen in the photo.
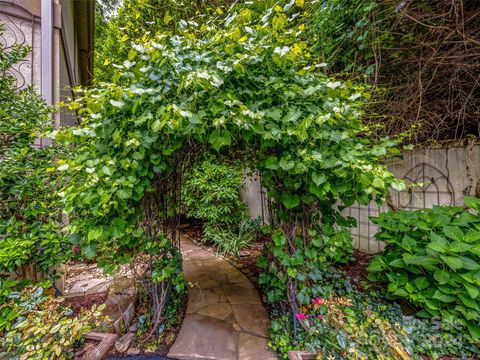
(318, 301)
(301, 316)
(320, 317)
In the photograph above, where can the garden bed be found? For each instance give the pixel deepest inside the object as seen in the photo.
(154, 345)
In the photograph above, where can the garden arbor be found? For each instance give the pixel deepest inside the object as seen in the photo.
(248, 88)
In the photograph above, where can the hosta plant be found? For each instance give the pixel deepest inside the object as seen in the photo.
(432, 259)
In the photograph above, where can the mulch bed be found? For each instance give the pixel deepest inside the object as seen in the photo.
(77, 303)
(356, 270)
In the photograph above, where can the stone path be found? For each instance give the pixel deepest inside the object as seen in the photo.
(225, 317)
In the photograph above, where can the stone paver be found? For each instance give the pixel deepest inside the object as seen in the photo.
(225, 319)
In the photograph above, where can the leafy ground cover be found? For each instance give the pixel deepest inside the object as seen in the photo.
(352, 318)
(36, 325)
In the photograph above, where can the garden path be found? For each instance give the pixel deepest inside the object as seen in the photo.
(225, 318)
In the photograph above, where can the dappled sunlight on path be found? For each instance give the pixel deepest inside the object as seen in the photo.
(225, 317)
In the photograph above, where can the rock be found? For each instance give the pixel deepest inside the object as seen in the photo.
(204, 337)
(133, 328)
(122, 344)
(252, 347)
(133, 351)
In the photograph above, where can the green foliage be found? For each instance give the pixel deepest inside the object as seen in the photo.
(120, 22)
(432, 259)
(345, 34)
(29, 208)
(36, 326)
(211, 192)
(345, 323)
(229, 241)
(305, 265)
(248, 87)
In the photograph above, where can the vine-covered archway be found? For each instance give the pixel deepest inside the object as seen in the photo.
(249, 88)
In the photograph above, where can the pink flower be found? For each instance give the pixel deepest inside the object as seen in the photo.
(301, 316)
(318, 301)
(320, 317)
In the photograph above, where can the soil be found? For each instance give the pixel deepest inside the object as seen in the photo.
(163, 348)
(171, 334)
(356, 270)
(85, 302)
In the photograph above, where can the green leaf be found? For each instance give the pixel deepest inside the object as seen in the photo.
(472, 202)
(156, 125)
(459, 246)
(443, 297)
(472, 290)
(453, 232)
(441, 276)
(286, 164)
(398, 263)
(419, 260)
(279, 238)
(453, 262)
(220, 138)
(271, 163)
(469, 302)
(377, 264)
(89, 250)
(469, 264)
(318, 179)
(421, 283)
(94, 233)
(474, 330)
(291, 201)
(438, 243)
(409, 243)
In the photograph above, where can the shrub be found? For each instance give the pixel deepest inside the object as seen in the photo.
(211, 192)
(432, 259)
(230, 242)
(36, 326)
(29, 208)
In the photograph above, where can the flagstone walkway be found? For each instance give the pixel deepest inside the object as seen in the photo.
(225, 318)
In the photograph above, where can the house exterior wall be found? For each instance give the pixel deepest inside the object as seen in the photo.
(22, 24)
(444, 176)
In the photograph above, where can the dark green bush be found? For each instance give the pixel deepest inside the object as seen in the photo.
(30, 213)
(432, 259)
(211, 192)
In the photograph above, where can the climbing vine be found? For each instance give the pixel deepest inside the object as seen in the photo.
(247, 87)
